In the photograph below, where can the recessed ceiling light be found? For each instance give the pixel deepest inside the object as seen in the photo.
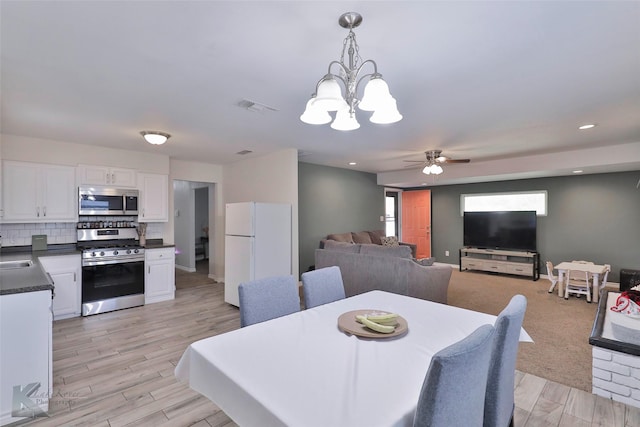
(587, 126)
(577, 171)
(352, 163)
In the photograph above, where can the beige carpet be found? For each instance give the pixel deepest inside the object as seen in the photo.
(560, 328)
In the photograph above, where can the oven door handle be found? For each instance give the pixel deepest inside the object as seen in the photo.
(92, 263)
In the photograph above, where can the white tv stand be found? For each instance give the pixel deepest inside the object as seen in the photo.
(521, 263)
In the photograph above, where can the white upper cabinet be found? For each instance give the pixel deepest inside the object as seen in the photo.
(34, 192)
(154, 196)
(104, 175)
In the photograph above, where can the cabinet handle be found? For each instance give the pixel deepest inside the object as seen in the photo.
(44, 211)
(113, 178)
(74, 277)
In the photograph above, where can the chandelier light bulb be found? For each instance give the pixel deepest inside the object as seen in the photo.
(345, 121)
(329, 95)
(386, 114)
(314, 115)
(376, 94)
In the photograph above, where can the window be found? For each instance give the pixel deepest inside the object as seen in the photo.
(513, 201)
(391, 213)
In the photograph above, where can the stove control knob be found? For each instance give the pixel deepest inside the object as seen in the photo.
(135, 251)
(93, 254)
(101, 253)
(128, 251)
(115, 252)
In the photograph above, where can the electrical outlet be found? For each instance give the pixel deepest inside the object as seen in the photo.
(446, 253)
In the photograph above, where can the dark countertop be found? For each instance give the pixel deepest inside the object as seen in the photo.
(32, 278)
(157, 244)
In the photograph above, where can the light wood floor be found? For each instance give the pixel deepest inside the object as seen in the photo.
(116, 369)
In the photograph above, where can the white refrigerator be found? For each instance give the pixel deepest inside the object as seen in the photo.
(257, 244)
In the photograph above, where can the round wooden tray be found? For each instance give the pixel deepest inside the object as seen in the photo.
(347, 323)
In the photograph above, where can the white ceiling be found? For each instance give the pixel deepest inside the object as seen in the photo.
(505, 84)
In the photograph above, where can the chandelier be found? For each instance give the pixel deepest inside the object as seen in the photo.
(328, 96)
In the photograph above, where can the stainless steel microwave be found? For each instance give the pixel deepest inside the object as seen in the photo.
(107, 201)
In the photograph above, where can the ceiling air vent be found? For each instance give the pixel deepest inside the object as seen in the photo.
(256, 107)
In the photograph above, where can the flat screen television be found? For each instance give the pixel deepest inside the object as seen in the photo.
(509, 230)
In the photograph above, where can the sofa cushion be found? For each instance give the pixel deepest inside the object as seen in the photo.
(342, 237)
(392, 251)
(333, 245)
(361, 237)
(389, 241)
(376, 235)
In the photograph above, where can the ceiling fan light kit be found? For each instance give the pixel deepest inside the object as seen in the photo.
(434, 159)
(328, 96)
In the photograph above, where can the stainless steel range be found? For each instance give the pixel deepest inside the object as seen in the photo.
(112, 269)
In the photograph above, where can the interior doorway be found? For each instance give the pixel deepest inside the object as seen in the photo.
(193, 202)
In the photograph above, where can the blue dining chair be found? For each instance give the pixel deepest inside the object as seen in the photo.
(454, 388)
(499, 401)
(322, 286)
(268, 298)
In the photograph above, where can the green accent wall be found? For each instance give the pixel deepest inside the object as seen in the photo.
(334, 200)
(590, 217)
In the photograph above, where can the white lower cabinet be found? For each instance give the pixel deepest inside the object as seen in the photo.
(159, 275)
(25, 355)
(66, 273)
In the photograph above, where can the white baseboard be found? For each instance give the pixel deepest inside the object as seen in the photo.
(187, 269)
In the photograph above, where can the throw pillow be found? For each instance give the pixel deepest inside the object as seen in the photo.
(389, 241)
(426, 261)
(343, 237)
(376, 236)
(361, 237)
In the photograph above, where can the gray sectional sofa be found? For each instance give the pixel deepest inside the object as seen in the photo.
(366, 267)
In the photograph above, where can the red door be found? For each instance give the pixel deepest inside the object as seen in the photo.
(416, 221)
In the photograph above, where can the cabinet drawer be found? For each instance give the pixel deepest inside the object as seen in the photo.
(495, 267)
(159, 254)
(472, 264)
(521, 269)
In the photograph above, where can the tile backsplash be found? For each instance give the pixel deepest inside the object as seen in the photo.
(57, 233)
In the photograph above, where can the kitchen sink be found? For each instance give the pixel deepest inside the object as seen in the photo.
(24, 263)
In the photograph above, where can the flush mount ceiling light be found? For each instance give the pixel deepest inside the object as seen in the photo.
(155, 137)
(328, 96)
(587, 126)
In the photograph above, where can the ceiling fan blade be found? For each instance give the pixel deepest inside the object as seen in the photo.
(414, 161)
(456, 161)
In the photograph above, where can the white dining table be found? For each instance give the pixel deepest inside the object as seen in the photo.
(595, 270)
(301, 370)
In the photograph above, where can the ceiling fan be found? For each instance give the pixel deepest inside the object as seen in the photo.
(434, 160)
